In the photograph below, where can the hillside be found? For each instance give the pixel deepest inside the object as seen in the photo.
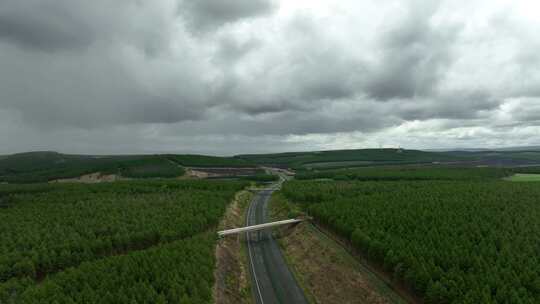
(346, 158)
(500, 157)
(46, 166)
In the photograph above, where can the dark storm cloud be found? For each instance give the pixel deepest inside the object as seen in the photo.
(47, 25)
(94, 64)
(448, 105)
(414, 55)
(157, 110)
(311, 71)
(346, 118)
(204, 15)
(60, 25)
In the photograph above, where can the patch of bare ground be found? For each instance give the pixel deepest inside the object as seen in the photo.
(190, 173)
(91, 178)
(231, 276)
(199, 172)
(325, 270)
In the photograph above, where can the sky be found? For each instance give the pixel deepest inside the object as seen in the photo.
(255, 76)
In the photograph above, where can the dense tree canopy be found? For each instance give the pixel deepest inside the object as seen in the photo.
(412, 173)
(451, 241)
(45, 229)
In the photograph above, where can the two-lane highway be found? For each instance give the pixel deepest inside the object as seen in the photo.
(272, 281)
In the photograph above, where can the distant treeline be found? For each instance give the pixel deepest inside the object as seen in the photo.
(38, 167)
(407, 173)
(299, 160)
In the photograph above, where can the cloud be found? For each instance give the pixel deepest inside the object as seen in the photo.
(414, 54)
(448, 105)
(64, 25)
(49, 25)
(231, 49)
(207, 15)
(266, 75)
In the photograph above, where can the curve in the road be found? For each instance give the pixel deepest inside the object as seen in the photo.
(272, 281)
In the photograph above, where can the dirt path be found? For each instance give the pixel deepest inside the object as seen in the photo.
(91, 178)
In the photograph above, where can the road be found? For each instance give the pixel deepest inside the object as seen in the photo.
(272, 281)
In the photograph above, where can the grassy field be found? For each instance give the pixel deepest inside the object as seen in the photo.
(521, 177)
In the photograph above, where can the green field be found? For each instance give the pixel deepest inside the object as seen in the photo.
(453, 240)
(123, 242)
(521, 177)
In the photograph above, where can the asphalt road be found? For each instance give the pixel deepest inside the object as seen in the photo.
(272, 281)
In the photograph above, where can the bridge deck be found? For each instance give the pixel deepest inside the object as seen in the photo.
(258, 227)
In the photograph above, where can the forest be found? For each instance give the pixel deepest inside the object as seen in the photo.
(38, 167)
(65, 243)
(412, 172)
(301, 160)
(449, 241)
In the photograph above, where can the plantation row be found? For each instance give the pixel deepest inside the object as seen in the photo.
(407, 173)
(179, 272)
(450, 241)
(45, 229)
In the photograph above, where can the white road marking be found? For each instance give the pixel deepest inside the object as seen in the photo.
(251, 258)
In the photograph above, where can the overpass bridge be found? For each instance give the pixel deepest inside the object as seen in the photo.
(258, 227)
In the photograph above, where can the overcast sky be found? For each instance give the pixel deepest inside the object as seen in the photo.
(246, 76)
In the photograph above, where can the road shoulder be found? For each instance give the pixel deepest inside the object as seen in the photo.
(323, 268)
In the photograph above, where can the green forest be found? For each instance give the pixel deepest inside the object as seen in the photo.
(116, 242)
(301, 160)
(410, 173)
(449, 241)
(39, 167)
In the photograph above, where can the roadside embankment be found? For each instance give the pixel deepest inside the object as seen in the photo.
(324, 269)
(231, 275)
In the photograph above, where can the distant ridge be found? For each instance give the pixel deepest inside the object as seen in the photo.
(526, 148)
(505, 149)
